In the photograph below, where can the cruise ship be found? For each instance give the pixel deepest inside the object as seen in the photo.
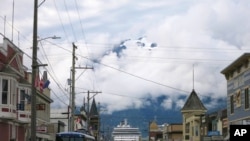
(124, 132)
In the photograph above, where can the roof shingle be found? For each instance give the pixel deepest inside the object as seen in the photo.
(193, 103)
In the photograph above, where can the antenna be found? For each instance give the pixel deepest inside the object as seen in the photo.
(13, 6)
(4, 25)
(193, 76)
(18, 39)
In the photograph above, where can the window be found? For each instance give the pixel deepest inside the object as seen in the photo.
(246, 98)
(22, 100)
(4, 91)
(214, 125)
(238, 98)
(196, 130)
(232, 104)
(187, 127)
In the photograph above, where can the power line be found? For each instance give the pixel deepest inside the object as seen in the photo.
(83, 34)
(73, 32)
(53, 76)
(59, 98)
(66, 35)
(139, 77)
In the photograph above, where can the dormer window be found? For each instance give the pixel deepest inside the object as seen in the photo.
(246, 64)
(238, 69)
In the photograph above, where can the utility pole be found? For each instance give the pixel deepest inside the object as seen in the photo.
(34, 71)
(73, 88)
(88, 99)
(72, 98)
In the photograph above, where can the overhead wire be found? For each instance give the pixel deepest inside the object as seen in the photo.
(49, 74)
(17, 30)
(53, 75)
(73, 32)
(58, 98)
(102, 63)
(66, 35)
(139, 77)
(84, 37)
(127, 72)
(131, 73)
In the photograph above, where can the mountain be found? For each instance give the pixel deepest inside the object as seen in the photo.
(142, 117)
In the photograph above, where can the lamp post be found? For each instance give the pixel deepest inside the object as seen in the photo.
(35, 67)
(34, 71)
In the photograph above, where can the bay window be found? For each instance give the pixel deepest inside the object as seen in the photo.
(5, 91)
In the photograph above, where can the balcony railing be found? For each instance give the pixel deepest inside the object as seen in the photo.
(23, 112)
(7, 111)
(24, 116)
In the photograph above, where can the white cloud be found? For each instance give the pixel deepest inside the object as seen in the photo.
(167, 104)
(206, 34)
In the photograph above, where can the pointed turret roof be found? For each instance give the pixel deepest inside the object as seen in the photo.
(153, 125)
(193, 103)
(93, 109)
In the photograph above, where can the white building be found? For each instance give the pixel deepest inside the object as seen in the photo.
(60, 115)
(124, 132)
(63, 115)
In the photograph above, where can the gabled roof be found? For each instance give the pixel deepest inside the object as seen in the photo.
(93, 109)
(193, 103)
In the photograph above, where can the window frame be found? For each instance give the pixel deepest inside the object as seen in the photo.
(4, 90)
(246, 94)
(231, 104)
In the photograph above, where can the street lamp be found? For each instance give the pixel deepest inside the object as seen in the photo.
(51, 37)
(34, 68)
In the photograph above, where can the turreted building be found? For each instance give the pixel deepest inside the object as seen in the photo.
(192, 113)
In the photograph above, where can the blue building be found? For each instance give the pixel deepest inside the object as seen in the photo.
(237, 75)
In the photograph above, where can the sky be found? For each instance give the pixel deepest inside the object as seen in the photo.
(135, 50)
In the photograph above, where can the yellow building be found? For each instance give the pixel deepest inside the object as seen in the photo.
(172, 132)
(192, 113)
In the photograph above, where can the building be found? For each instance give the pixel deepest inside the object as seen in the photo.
(43, 111)
(237, 75)
(225, 129)
(124, 132)
(15, 97)
(155, 131)
(214, 126)
(14, 86)
(173, 132)
(192, 112)
(94, 122)
(63, 115)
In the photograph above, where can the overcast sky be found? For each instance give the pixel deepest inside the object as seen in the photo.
(196, 40)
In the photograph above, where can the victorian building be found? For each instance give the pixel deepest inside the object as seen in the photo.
(192, 113)
(237, 75)
(15, 97)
